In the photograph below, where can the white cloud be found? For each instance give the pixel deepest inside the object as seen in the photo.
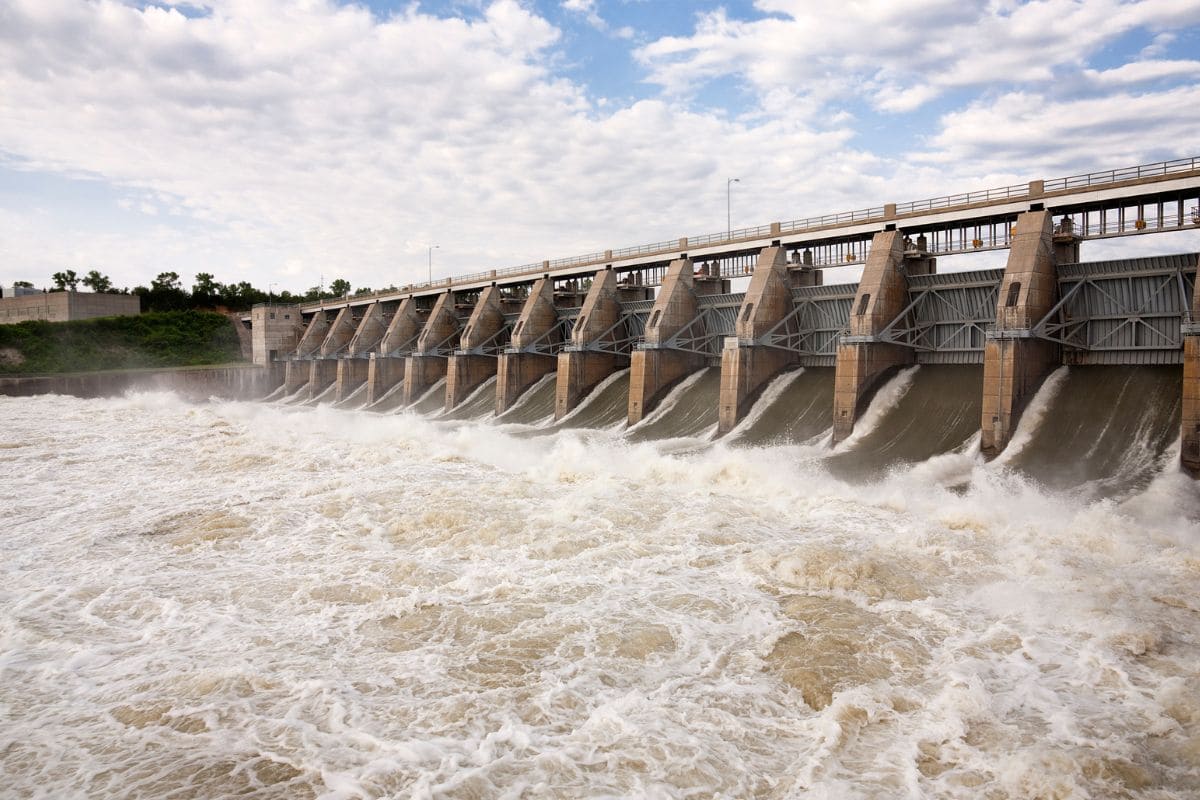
(1143, 71)
(911, 51)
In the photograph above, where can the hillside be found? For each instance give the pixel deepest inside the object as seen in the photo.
(164, 339)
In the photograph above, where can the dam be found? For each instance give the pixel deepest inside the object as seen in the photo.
(713, 526)
(659, 330)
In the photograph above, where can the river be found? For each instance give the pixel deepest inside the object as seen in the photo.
(235, 599)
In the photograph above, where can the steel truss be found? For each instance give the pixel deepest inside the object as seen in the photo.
(549, 343)
(811, 328)
(920, 326)
(616, 339)
(1136, 327)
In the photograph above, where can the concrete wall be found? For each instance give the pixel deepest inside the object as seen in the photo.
(403, 329)
(369, 332)
(67, 306)
(466, 371)
(341, 331)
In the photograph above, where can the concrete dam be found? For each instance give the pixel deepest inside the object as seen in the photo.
(911, 361)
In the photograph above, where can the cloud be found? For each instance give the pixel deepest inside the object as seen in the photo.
(911, 52)
(1143, 72)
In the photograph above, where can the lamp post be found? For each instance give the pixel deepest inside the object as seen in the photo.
(270, 294)
(432, 247)
(728, 214)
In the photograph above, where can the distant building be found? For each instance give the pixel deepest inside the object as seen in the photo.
(25, 304)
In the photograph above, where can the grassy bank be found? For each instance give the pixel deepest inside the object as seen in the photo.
(164, 339)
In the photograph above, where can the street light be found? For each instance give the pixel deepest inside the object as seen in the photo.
(270, 286)
(728, 215)
(432, 247)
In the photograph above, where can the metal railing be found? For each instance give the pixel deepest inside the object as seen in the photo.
(1174, 166)
(1171, 167)
(963, 199)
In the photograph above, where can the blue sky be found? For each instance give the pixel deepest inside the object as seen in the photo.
(280, 141)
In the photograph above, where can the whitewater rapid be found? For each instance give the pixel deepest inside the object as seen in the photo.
(255, 600)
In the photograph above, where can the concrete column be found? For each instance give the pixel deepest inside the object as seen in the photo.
(351, 374)
(369, 332)
(383, 373)
(517, 370)
(580, 370)
(1014, 362)
(340, 332)
(321, 375)
(863, 363)
(403, 330)
(467, 370)
(314, 334)
(655, 369)
(1190, 450)
(746, 366)
(423, 368)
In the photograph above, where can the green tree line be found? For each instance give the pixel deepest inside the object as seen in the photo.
(167, 292)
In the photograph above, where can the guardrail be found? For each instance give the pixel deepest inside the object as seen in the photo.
(1174, 166)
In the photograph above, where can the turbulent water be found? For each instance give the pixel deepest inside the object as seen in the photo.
(257, 600)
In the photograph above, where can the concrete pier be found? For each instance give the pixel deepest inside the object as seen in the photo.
(341, 331)
(1190, 449)
(351, 374)
(520, 366)
(747, 366)
(386, 367)
(322, 372)
(1014, 361)
(314, 334)
(470, 366)
(863, 361)
(579, 370)
(654, 369)
(383, 373)
(295, 375)
(428, 362)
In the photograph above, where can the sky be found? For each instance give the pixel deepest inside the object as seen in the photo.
(289, 142)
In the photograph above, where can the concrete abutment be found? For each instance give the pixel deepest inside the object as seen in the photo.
(520, 366)
(428, 362)
(383, 373)
(1189, 451)
(351, 374)
(470, 367)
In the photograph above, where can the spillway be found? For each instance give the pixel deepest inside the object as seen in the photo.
(1104, 430)
(688, 410)
(535, 405)
(433, 401)
(800, 412)
(937, 413)
(605, 407)
(478, 405)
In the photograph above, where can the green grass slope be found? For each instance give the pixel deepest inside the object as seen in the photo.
(163, 339)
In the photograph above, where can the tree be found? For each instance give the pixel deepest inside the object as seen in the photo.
(166, 281)
(97, 282)
(205, 289)
(362, 290)
(340, 287)
(65, 280)
(23, 284)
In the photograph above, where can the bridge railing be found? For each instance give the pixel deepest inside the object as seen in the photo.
(1125, 174)
(841, 218)
(963, 199)
(1174, 166)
